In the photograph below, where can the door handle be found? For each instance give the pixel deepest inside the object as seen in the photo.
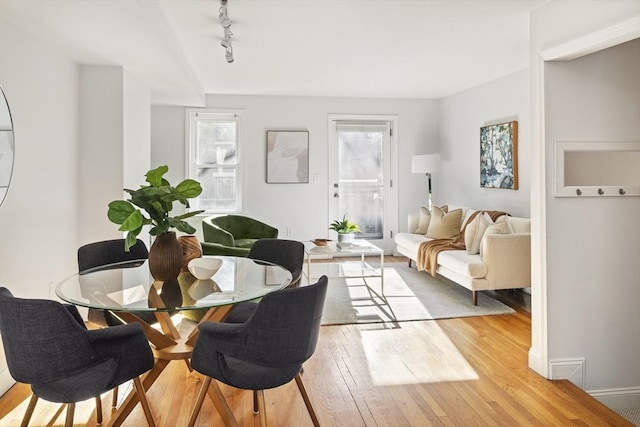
(336, 195)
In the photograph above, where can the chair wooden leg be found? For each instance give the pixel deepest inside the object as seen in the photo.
(71, 408)
(221, 404)
(143, 401)
(475, 297)
(256, 406)
(211, 388)
(98, 410)
(307, 402)
(262, 408)
(30, 408)
(114, 398)
(196, 408)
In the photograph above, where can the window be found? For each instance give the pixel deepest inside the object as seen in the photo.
(214, 138)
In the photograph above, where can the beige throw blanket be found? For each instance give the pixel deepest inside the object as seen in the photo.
(428, 251)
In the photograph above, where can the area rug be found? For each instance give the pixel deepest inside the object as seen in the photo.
(408, 295)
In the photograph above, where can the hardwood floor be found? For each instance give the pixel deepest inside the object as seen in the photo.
(454, 372)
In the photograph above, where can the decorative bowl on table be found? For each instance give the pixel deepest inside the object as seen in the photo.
(204, 268)
(321, 242)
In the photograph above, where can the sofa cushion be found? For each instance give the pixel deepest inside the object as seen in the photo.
(463, 263)
(466, 213)
(474, 231)
(410, 241)
(497, 228)
(444, 225)
(519, 225)
(423, 221)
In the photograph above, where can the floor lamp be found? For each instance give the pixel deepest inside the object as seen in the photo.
(427, 164)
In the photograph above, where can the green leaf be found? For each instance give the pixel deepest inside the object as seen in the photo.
(154, 176)
(183, 226)
(130, 240)
(135, 221)
(189, 214)
(119, 211)
(189, 188)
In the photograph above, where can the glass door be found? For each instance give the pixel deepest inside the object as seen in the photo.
(359, 176)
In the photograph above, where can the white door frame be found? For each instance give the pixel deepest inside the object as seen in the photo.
(610, 36)
(392, 200)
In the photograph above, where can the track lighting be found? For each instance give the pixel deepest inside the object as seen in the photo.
(223, 17)
(229, 54)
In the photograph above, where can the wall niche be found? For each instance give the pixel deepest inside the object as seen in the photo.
(597, 169)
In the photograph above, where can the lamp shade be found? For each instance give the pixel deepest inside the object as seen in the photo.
(424, 163)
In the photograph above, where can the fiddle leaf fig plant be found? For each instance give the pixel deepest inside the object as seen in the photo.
(156, 200)
(344, 226)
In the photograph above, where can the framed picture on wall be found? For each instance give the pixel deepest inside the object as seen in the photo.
(287, 157)
(499, 156)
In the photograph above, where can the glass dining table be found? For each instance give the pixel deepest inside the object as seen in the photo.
(127, 289)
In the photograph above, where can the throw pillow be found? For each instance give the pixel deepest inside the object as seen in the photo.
(423, 221)
(444, 225)
(519, 225)
(475, 231)
(496, 228)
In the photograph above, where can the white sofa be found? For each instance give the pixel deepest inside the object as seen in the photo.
(505, 262)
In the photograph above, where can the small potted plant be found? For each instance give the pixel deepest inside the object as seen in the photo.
(156, 200)
(345, 229)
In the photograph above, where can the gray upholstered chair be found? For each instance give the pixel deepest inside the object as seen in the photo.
(47, 346)
(98, 254)
(233, 235)
(286, 253)
(266, 351)
(105, 252)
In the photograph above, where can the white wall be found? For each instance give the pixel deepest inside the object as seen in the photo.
(460, 118)
(115, 145)
(101, 149)
(581, 303)
(303, 207)
(79, 133)
(38, 219)
(594, 243)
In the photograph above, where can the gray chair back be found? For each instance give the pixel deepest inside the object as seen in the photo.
(42, 339)
(282, 332)
(106, 252)
(286, 253)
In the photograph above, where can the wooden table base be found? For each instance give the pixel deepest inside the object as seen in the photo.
(167, 345)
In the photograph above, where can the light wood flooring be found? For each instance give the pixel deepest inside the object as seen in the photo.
(455, 372)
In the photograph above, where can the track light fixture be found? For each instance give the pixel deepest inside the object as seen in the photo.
(229, 54)
(223, 17)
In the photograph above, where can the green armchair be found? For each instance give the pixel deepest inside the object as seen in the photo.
(233, 235)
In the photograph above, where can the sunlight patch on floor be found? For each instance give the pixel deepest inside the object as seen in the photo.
(394, 359)
(367, 300)
(54, 413)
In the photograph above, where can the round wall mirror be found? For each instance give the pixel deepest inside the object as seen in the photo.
(7, 147)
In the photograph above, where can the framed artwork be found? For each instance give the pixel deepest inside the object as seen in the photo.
(499, 156)
(287, 157)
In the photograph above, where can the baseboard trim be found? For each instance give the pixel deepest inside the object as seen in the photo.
(535, 363)
(568, 369)
(618, 398)
(6, 381)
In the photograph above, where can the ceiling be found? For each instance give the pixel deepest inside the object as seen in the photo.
(347, 48)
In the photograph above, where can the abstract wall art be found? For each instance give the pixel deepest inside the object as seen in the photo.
(287, 157)
(499, 156)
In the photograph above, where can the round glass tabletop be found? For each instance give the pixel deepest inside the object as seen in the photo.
(127, 286)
